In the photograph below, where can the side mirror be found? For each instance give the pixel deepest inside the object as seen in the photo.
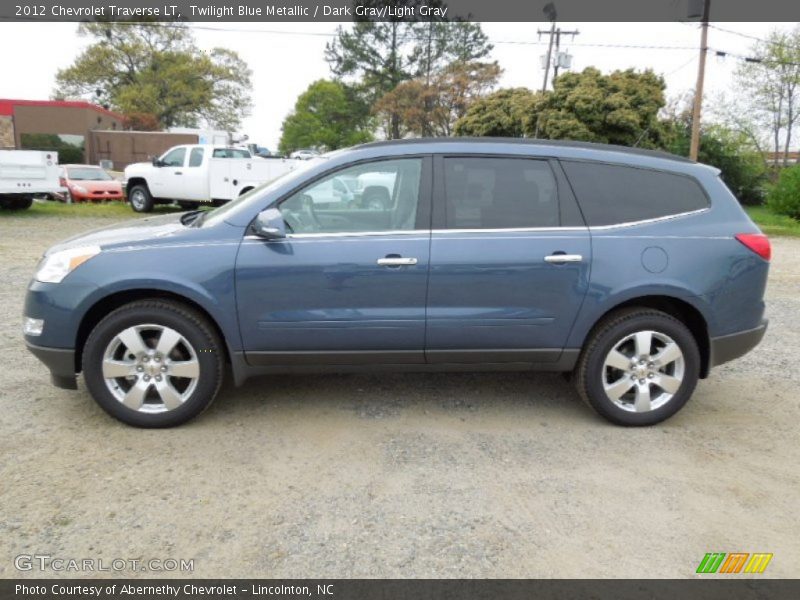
(269, 225)
(156, 161)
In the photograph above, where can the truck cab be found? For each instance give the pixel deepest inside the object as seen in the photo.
(192, 174)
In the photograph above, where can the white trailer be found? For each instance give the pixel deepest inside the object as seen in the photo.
(199, 173)
(25, 174)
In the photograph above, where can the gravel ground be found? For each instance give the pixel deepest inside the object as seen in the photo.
(451, 475)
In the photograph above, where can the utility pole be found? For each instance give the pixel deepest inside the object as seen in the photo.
(556, 61)
(701, 74)
(549, 55)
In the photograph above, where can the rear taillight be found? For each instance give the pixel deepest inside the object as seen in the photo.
(757, 242)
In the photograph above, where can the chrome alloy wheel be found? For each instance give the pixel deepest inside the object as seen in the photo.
(643, 371)
(150, 368)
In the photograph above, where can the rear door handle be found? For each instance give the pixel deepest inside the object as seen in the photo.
(178, 172)
(396, 261)
(563, 258)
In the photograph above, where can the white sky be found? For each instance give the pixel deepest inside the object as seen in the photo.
(286, 57)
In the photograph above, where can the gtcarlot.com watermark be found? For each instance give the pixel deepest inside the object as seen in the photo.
(45, 563)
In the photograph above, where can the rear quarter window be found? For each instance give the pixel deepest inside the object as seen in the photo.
(616, 194)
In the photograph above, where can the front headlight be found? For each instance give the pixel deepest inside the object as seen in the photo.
(79, 188)
(58, 265)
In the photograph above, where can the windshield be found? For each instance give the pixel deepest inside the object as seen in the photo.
(88, 174)
(217, 215)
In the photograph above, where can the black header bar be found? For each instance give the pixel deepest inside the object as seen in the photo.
(401, 10)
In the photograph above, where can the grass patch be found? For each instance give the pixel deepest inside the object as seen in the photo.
(102, 210)
(773, 224)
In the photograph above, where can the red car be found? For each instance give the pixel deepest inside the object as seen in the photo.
(87, 182)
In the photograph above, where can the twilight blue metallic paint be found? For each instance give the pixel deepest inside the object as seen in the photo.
(487, 294)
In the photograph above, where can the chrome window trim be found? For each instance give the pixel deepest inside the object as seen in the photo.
(511, 230)
(357, 234)
(648, 221)
(354, 234)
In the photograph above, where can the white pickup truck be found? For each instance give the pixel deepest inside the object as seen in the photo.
(25, 174)
(199, 173)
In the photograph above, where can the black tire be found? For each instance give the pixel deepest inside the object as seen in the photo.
(187, 205)
(590, 372)
(16, 203)
(140, 199)
(195, 329)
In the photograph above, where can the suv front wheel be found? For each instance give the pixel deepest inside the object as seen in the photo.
(639, 367)
(153, 363)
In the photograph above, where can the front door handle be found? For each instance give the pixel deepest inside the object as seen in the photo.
(396, 261)
(563, 258)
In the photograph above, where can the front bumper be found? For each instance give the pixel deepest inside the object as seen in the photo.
(60, 361)
(729, 347)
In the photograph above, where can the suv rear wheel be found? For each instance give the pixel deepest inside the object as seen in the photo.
(153, 363)
(639, 367)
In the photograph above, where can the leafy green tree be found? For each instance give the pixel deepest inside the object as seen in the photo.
(157, 69)
(328, 115)
(377, 56)
(784, 197)
(768, 88)
(501, 114)
(619, 108)
(443, 43)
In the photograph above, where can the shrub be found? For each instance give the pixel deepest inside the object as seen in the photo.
(784, 197)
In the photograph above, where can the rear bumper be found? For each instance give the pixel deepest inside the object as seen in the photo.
(728, 347)
(60, 361)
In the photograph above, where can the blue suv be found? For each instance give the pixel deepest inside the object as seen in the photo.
(635, 271)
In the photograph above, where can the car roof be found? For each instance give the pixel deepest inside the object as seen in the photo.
(537, 143)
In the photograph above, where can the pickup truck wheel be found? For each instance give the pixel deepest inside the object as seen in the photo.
(18, 203)
(639, 367)
(153, 363)
(140, 199)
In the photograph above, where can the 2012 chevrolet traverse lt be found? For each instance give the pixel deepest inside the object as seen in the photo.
(637, 271)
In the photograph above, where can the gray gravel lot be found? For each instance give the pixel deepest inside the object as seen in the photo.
(451, 475)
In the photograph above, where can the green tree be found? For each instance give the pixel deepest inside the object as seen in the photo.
(377, 56)
(157, 69)
(328, 115)
(784, 197)
(768, 88)
(501, 114)
(619, 108)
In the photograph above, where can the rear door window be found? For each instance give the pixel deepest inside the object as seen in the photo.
(499, 193)
(196, 157)
(616, 194)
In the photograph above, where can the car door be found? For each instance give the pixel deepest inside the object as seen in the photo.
(169, 179)
(347, 284)
(510, 260)
(195, 176)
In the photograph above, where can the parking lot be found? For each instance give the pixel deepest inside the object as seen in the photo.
(435, 475)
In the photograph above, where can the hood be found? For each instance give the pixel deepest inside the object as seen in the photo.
(137, 166)
(97, 186)
(138, 232)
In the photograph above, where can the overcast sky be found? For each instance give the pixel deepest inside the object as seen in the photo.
(286, 57)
